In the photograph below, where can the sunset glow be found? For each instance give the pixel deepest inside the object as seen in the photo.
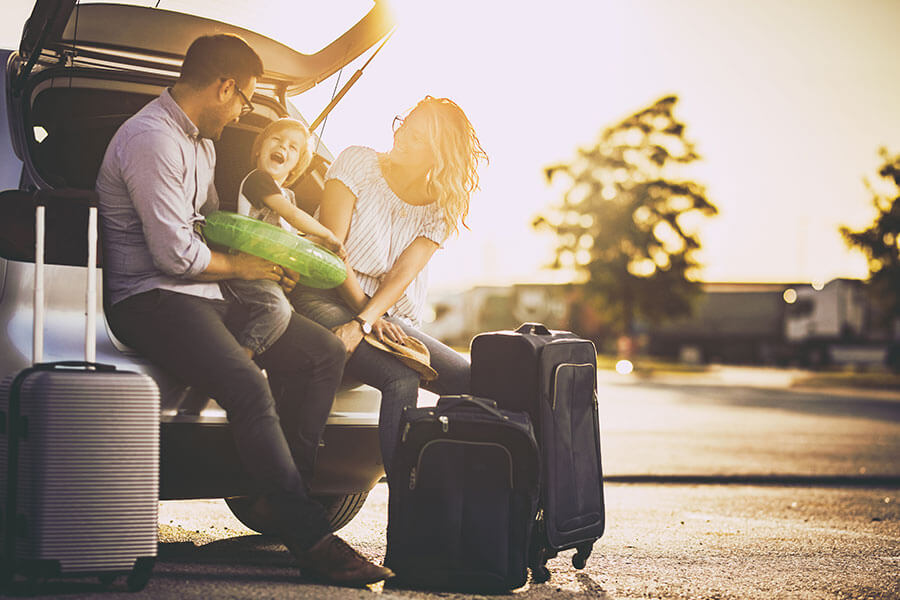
(788, 104)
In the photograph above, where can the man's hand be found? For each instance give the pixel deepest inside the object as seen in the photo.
(247, 266)
(351, 334)
(289, 279)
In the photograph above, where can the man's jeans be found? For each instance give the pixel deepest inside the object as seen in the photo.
(188, 337)
(398, 383)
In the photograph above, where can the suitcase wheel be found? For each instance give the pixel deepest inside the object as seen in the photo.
(140, 574)
(579, 560)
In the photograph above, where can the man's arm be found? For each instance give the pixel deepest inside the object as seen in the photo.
(241, 266)
(153, 168)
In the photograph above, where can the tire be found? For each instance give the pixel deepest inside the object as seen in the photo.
(340, 510)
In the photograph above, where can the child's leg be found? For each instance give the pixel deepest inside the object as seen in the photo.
(268, 314)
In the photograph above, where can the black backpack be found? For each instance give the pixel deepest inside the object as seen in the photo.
(463, 496)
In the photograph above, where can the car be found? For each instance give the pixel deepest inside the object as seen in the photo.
(78, 74)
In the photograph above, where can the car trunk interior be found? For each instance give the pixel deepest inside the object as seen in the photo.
(69, 129)
(77, 123)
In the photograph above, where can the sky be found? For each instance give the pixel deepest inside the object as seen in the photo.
(788, 103)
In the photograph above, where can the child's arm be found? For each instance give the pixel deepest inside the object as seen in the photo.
(303, 222)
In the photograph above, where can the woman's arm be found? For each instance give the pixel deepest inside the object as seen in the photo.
(335, 212)
(394, 283)
(409, 264)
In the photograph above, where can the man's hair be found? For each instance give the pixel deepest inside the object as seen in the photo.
(219, 56)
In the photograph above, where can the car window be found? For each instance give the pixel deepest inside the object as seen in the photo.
(307, 26)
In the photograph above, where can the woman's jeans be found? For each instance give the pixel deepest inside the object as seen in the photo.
(398, 383)
(189, 338)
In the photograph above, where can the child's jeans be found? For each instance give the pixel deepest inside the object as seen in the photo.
(268, 312)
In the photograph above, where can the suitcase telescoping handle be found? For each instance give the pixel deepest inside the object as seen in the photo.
(42, 199)
(533, 328)
(446, 403)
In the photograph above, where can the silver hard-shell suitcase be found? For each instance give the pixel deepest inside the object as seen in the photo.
(79, 453)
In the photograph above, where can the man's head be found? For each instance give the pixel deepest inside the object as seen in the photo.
(220, 73)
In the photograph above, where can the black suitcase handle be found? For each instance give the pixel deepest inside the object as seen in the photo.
(446, 403)
(82, 364)
(533, 328)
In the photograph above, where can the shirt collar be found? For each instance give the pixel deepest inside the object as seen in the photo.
(175, 111)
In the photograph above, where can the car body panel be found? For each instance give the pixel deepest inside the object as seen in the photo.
(155, 40)
(198, 458)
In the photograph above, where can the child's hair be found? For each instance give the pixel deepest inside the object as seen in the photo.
(306, 151)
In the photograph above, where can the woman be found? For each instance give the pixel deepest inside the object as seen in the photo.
(392, 211)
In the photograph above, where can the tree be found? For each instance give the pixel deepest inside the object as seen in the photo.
(622, 223)
(880, 242)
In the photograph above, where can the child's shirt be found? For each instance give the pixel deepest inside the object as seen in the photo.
(256, 186)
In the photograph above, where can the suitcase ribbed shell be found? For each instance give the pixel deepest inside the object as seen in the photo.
(88, 468)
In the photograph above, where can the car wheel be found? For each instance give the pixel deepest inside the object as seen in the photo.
(340, 510)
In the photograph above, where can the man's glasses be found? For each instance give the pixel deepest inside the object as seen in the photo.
(398, 121)
(247, 108)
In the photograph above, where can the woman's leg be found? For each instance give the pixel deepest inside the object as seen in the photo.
(305, 366)
(454, 369)
(399, 385)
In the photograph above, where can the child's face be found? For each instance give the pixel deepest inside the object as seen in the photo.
(279, 153)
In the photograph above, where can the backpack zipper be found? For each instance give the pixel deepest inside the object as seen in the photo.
(413, 472)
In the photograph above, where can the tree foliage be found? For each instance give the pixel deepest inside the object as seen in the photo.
(622, 222)
(880, 242)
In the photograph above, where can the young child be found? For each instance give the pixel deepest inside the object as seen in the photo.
(281, 153)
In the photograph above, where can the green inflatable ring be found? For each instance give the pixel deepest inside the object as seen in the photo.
(318, 267)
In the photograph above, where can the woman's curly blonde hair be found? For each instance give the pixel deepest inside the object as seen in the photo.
(306, 151)
(457, 153)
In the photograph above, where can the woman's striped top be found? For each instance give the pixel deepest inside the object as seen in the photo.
(382, 226)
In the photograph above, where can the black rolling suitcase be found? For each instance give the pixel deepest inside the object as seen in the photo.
(463, 497)
(551, 375)
(79, 454)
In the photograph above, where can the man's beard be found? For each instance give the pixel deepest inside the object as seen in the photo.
(211, 124)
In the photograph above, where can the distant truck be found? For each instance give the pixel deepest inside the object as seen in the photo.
(836, 325)
(779, 324)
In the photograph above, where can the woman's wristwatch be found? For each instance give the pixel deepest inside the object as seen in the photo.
(366, 326)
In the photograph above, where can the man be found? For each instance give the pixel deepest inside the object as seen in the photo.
(155, 183)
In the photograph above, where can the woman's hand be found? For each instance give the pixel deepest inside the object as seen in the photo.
(385, 329)
(350, 333)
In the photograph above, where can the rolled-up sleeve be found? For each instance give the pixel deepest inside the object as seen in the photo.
(154, 170)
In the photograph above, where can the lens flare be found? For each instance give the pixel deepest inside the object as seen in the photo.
(624, 367)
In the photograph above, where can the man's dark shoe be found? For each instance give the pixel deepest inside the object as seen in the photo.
(333, 560)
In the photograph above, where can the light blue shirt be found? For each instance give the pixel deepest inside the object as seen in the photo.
(155, 184)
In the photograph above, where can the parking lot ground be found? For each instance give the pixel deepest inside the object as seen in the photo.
(733, 486)
(662, 541)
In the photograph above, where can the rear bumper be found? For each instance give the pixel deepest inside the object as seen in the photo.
(199, 460)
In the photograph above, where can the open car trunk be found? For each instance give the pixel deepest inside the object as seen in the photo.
(68, 129)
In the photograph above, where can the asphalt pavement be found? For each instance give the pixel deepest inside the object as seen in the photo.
(731, 485)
